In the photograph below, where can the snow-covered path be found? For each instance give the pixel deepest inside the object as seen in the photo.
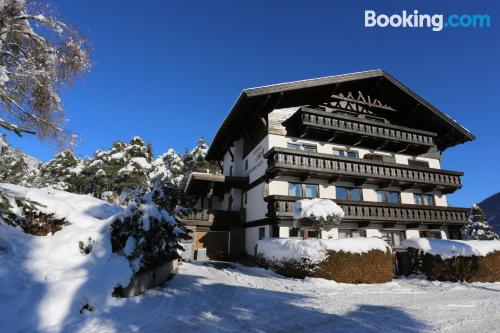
(215, 297)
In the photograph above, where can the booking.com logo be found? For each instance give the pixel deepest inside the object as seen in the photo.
(436, 21)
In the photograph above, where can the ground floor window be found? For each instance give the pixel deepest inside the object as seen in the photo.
(430, 234)
(262, 233)
(303, 233)
(454, 233)
(351, 233)
(393, 237)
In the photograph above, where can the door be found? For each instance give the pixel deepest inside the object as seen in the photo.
(216, 243)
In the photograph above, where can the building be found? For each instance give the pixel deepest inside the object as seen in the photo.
(364, 140)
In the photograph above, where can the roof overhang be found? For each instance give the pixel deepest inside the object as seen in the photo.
(255, 102)
(201, 183)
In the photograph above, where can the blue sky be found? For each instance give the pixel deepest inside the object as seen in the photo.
(169, 71)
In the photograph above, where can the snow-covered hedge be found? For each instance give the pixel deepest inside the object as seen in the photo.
(452, 260)
(315, 250)
(452, 248)
(355, 260)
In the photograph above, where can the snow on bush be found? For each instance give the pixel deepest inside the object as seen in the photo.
(48, 278)
(317, 213)
(147, 235)
(452, 248)
(315, 250)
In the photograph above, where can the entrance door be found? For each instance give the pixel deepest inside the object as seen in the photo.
(216, 243)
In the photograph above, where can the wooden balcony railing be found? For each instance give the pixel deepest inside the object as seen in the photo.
(308, 122)
(360, 171)
(208, 216)
(365, 211)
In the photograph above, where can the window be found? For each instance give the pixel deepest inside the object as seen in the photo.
(423, 199)
(418, 163)
(430, 234)
(338, 152)
(246, 165)
(351, 233)
(352, 154)
(303, 190)
(262, 233)
(348, 193)
(304, 147)
(388, 196)
(310, 191)
(295, 190)
(230, 203)
(245, 198)
(295, 233)
(379, 157)
(393, 237)
(230, 170)
(309, 148)
(345, 153)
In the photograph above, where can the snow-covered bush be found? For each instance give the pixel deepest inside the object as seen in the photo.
(27, 214)
(317, 213)
(478, 228)
(453, 260)
(147, 235)
(354, 260)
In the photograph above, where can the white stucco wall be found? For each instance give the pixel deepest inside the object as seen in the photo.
(252, 237)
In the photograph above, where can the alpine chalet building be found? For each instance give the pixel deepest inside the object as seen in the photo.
(363, 140)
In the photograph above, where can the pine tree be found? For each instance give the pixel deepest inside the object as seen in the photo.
(147, 234)
(123, 169)
(168, 168)
(478, 228)
(16, 167)
(63, 172)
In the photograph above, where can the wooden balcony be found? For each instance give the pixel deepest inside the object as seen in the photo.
(364, 212)
(208, 217)
(327, 126)
(290, 162)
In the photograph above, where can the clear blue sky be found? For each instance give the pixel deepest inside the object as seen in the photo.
(169, 71)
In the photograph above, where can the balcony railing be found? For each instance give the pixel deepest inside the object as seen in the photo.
(308, 122)
(208, 216)
(324, 166)
(365, 212)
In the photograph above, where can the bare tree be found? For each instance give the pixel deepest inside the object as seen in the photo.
(39, 55)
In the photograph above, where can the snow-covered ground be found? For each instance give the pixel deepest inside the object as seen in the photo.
(211, 297)
(45, 281)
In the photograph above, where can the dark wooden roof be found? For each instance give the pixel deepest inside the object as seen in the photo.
(413, 110)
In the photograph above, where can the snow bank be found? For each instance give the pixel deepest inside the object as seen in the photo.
(315, 250)
(46, 278)
(452, 248)
(319, 208)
